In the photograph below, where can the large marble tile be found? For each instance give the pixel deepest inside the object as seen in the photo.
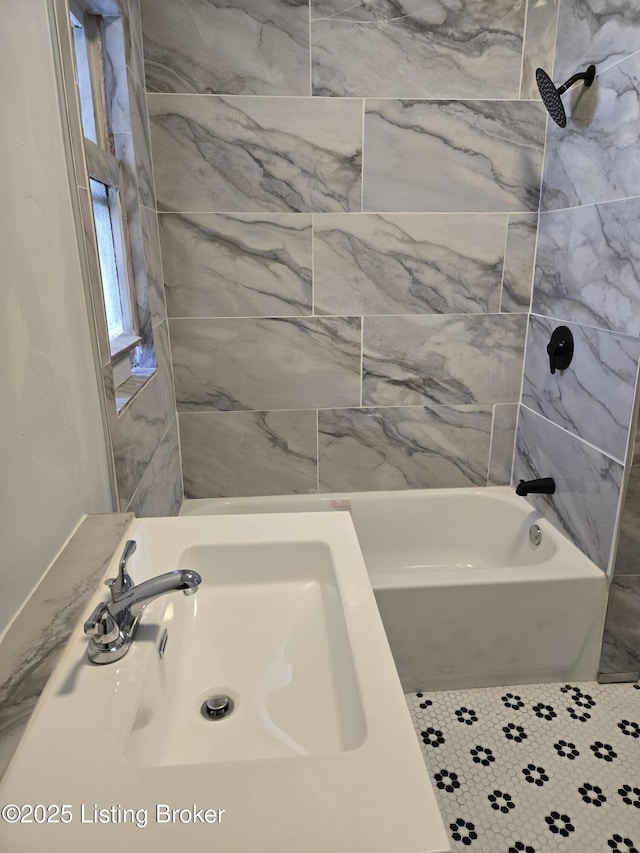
(144, 354)
(503, 436)
(539, 43)
(245, 154)
(403, 448)
(219, 265)
(466, 156)
(139, 428)
(596, 157)
(116, 89)
(588, 266)
(235, 47)
(326, 8)
(141, 144)
(237, 454)
(148, 285)
(251, 364)
(628, 553)
(588, 483)
(621, 640)
(407, 264)
(601, 32)
(153, 264)
(133, 42)
(519, 262)
(413, 49)
(160, 490)
(145, 289)
(592, 398)
(455, 359)
(35, 640)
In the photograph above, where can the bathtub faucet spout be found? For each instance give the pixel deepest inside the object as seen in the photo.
(544, 486)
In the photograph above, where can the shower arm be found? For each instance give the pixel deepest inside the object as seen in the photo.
(587, 76)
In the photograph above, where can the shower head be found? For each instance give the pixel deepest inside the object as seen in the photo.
(551, 96)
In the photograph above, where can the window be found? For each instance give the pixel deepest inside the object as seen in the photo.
(106, 180)
(119, 308)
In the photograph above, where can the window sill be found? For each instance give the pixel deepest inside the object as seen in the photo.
(123, 344)
(125, 393)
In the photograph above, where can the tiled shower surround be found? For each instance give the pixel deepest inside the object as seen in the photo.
(575, 425)
(347, 197)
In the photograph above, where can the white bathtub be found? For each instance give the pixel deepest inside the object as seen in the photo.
(467, 600)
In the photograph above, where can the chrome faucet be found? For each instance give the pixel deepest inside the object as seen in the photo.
(112, 625)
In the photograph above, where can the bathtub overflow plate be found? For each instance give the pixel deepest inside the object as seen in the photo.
(535, 534)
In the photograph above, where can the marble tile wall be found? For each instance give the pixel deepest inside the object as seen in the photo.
(594, 397)
(588, 483)
(33, 643)
(453, 155)
(348, 197)
(575, 425)
(144, 434)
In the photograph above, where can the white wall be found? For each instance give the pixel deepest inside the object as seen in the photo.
(53, 458)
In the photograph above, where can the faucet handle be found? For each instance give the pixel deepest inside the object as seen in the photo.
(123, 583)
(101, 625)
(560, 349)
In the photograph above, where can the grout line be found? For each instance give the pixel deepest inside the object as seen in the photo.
(179, 456)
(520, 406)
(317, 451)
(348, 9)
(528, 324)
(589, 204)
(356, 316)
(310, 56)
(524, 45)
(336, 19)
(493, 422)
(337, 99)
(574, 436)
(554, 46)
(504, 261)
(600, 72)
(292, 317)
(313, 266)
(632, 428)
(460, 407)
(361, 358)
(275, 213)
(364, 111)
(554, 319)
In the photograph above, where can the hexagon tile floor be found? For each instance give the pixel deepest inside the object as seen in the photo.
(536, 768)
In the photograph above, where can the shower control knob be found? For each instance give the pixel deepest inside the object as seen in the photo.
(560, 349)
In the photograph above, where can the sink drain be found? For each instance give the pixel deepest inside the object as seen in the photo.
(217, 707)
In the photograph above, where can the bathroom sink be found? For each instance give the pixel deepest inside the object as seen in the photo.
(267, 630)
(311, 749)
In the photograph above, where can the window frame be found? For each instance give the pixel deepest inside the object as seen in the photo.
(104, 167)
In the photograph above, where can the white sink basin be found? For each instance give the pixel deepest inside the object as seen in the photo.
(267, 629)
(318, 752)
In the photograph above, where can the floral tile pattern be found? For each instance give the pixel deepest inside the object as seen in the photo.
(535, 768)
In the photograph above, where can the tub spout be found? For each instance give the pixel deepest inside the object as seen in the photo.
(544, 486)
